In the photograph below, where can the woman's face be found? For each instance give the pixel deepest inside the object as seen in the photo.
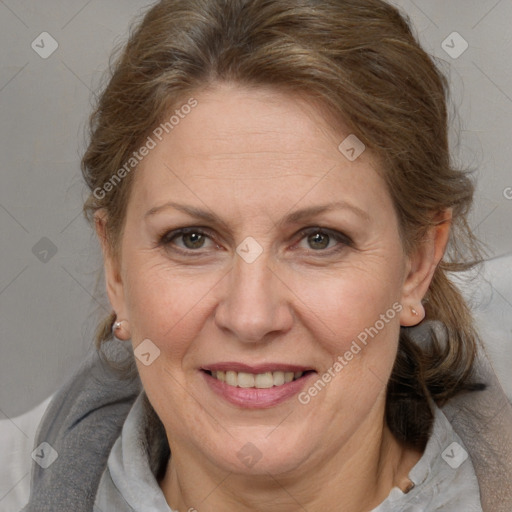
(291, 262)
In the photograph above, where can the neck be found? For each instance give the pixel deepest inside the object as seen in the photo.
(356, 478)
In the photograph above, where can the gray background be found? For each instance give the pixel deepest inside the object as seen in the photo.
(49, 303)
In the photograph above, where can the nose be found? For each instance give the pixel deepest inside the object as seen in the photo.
(254, 305)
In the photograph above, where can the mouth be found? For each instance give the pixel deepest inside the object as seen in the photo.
(256, 387)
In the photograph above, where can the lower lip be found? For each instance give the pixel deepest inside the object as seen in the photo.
(255, 398)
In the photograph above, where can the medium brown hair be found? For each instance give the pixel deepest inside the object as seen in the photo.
(360, 60)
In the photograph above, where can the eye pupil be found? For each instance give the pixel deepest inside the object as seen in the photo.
(315, 238)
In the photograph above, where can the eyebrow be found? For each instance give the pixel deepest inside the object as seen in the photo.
(292, 218)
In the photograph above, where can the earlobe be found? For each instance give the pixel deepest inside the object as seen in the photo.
(412, 315)
(421, 267)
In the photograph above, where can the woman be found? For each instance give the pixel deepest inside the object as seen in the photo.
(273, 192)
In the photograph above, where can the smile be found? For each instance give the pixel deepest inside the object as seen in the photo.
(256, 386)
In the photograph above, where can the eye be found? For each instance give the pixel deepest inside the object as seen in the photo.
(319, 239)
(192, 238)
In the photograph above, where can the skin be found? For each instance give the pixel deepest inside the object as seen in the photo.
(252, 156)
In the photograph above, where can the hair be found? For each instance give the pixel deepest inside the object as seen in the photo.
(361, 61)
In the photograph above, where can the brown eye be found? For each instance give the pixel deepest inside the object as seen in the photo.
(319, 241)
(193, 240)
(325, 240)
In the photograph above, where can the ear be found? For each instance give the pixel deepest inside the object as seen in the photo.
(111, 263)
(421, 266)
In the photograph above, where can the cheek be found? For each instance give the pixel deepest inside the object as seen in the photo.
(164, 305)
(344, 305)
(355, 323)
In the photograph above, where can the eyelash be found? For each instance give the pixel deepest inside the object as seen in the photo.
(166, 239)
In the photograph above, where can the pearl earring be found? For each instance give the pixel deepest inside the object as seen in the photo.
(116, 327)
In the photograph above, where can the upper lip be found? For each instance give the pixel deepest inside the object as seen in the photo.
(255, 368)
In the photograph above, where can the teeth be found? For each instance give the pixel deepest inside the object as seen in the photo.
(245, 380)
(259, 380)
(278, 378)
(264, 380)
(231, 378)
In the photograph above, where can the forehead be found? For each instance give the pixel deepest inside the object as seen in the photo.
(264, 144)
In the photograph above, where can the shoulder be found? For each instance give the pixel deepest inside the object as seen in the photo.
(16, 446)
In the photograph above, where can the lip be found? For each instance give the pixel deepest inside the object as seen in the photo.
(254, 398)
(257, 368)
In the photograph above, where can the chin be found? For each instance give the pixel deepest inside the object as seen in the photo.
(263, 451)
